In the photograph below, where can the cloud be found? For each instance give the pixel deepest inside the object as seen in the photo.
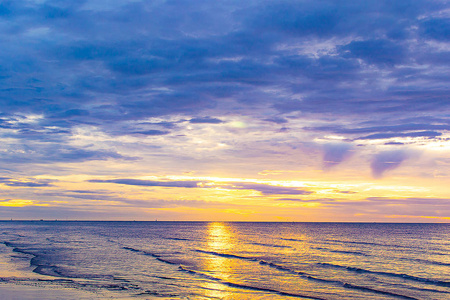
(138, 182)
(431, 201)
(179, 203)
(277, 120)
(388, 160)
(52, 153)
(151, 132)
(25, 183)
(383, 206)
(267, 189)
(206, 120)
(229, 51)
(376, 51)
(143, 203)
(335, 153)
(318, 200)
(399, 129)
(436, 28)
(428, 134)
(144, 75)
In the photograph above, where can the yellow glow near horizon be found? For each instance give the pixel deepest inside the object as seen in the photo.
(234, 198)
(20, 203)
(416, 217)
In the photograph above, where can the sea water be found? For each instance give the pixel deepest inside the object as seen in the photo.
(230, 260)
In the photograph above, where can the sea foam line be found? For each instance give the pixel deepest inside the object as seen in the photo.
(275, 266)
(396, 275)
(226, 255)
(310, 277)
(247, 287)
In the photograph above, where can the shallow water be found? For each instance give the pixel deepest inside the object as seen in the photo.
(202, 260)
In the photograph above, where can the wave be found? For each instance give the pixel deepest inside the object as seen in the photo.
(366, 289)
(140, 251)
(70, 283)
(270, 245)
(389, 274)
(176, 239)
(158, 257)
(292, 240)
(307, 276)
(132, 249)
(435, 251)
(39, 267)
(358, 243)
(341, 251)
(281, 268)
(63, 242)
(261, 262)
(335, 282)
(425, 261)
(66, 277)
(157, 294)
(248, 287)
(226, 255)
(231, 284)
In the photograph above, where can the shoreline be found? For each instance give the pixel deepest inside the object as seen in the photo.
(19, 282)
(22, 291)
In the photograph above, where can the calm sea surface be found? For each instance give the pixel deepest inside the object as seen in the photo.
(201, 260)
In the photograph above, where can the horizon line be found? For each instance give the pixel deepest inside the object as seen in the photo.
(198, 221)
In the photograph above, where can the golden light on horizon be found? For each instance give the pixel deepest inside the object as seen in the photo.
(20, 203)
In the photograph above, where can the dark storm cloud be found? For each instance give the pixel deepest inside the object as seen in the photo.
(105, 64)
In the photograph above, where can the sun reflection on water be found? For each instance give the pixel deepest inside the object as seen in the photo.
(220, 239)
(220, 236)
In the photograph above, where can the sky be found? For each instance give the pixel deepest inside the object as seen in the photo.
(224, 110)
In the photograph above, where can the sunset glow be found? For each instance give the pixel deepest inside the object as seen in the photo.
(225, 111)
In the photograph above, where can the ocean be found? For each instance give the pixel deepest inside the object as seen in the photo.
(229, 260)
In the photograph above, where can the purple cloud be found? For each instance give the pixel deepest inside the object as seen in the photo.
(335, 153)
(267, 189)
(387, 160)
(138, 182)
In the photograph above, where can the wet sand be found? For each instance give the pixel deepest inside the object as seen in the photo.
(10, 291)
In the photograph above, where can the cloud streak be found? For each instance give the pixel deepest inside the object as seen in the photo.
(138, 182)
(265, 189)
